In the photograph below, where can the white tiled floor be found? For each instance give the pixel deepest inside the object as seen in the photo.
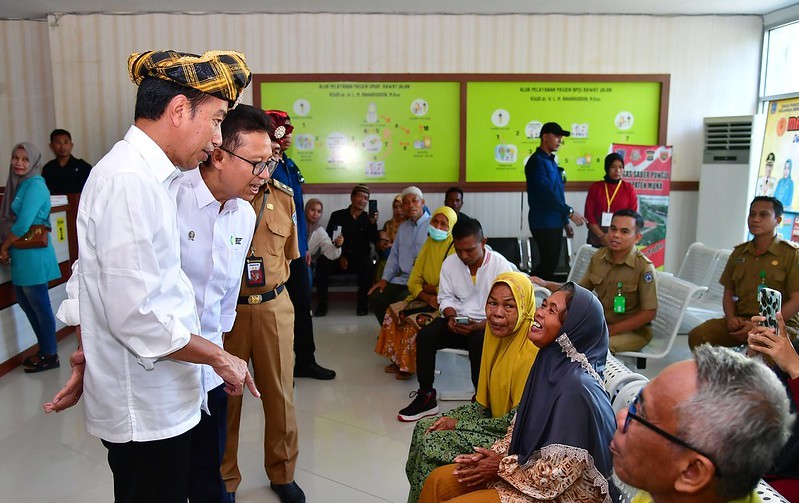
(352, 448)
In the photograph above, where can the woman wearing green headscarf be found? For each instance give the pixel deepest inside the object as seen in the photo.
(507, 358)
(397, 339)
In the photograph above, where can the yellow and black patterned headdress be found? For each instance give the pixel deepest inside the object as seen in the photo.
(223, 74)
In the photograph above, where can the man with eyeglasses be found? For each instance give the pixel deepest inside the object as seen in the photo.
(704, 430)
(264, 333)
(299, 282)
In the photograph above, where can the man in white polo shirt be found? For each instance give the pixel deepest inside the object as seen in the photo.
(464, 285)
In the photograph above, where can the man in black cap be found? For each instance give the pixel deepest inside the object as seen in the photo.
(549, 214)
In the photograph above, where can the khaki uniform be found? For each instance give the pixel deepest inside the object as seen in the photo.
(780, 262)
(264, 333)
(637, 277)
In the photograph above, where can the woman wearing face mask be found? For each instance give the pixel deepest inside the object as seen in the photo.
(404, 319)
(26, 202)
(605, 198)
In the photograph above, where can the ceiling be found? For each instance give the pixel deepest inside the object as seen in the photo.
(38, 9)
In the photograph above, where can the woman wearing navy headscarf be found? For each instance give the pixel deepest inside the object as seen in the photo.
(556, 449)
(784, 190)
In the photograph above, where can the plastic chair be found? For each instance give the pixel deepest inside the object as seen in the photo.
(674, 294)
(580, 263)
(768, 494)
(627, 394)
(510, 248)
(709, 305)
(453, 375)
(697, 266)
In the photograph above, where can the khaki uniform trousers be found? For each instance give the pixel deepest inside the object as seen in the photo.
(713, 332)
(441, 485)
(264, 333)
(629, 341)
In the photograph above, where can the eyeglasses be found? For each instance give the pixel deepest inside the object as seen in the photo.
(632, 413)
(258, 167)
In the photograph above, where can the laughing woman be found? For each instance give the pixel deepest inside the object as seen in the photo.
(26, 202)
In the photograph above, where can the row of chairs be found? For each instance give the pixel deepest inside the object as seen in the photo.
(623, 385)
(523, 254)
(703, 266)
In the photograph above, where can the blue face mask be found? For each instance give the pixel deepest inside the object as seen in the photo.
(436, 234)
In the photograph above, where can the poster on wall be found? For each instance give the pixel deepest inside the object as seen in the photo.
(503, 121)
(780, 153)
(648, 169)
(362, 132)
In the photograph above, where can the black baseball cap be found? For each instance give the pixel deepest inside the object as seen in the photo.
(553, 128)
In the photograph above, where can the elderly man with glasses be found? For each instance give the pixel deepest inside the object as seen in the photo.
(704, 430)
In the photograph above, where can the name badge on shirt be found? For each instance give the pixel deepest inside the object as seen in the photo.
(607, 217)
(254, 274)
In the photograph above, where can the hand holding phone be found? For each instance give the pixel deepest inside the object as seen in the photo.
(372, 206)
(462, 320)
(770, 301)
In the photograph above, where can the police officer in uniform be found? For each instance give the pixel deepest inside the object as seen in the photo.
(624, 280)
(766, 260)
(264, 333)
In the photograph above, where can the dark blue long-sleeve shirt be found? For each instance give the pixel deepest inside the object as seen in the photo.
(288, 173)
(545, 192)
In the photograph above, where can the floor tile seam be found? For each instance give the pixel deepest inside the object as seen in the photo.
(338, 482)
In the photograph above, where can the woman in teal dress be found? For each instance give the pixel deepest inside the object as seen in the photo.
(26, 202)
(506, 361)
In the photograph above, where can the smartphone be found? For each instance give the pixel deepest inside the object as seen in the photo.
(336, 232)
(462, 320)
(770, 304)
(372, 206)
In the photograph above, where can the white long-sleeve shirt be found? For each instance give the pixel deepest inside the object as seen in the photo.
(136, 304)
(319, 241)
(213, 245)
(457, 290)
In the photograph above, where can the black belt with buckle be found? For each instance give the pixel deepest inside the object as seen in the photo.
(260, 298)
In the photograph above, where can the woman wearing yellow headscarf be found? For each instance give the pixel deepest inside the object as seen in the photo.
(505, 365)
(404, 319)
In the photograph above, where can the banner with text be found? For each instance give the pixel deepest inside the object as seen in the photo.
(648, 169)
(780, 150)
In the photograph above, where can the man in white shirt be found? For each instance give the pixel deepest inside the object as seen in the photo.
(464, 285)
(137, 314)
(216, 229)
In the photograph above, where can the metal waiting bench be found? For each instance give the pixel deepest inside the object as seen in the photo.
(709, 305)
(674, 294)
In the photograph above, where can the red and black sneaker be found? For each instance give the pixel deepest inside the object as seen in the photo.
(423, 405)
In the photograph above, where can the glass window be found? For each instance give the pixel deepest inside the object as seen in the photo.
(781, 74)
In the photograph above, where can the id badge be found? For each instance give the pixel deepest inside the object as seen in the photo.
(254, 271)
(607, 217)
(619, 304)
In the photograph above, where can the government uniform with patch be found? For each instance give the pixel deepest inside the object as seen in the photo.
(264, 333)
(637, 277)
(780, 262)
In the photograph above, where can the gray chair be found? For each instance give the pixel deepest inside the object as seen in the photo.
(697, 266)
(580, 263)
(709, 305)
(674, 294)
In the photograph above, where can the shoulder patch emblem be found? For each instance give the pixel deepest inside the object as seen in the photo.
(648, 277)
(294, 218)
(283, 187)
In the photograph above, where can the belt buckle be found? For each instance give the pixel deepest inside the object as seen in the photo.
(254, 299)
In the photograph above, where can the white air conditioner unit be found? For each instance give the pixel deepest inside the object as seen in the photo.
(726, 183)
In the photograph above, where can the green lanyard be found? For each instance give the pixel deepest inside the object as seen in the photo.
(619, 302)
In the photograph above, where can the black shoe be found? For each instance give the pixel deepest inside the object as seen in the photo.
(288, 493)
(31, 360)
(321, 310)
(362, 311)
(45, 362)
(314, 371)
(423, 405)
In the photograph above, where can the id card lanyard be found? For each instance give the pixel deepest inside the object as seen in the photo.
(610, 198)
(619, 302)
(254, 272)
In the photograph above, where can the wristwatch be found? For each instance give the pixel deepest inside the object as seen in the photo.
(571, 211)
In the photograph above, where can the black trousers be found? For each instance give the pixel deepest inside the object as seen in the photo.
(550, 242)
(437, 336)
(151, 471)
(299, 288)
(207, 447)
(362, 267)
(380, 301)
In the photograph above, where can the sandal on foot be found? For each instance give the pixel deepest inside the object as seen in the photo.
(403, 376)
(391, 368)
(46, 362)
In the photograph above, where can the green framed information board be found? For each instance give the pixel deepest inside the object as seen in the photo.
(474, 130)
(503, 120)
(371, 131)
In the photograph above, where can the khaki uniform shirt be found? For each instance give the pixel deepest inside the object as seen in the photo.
(275, 238)
(742, 274)
(636, 275)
